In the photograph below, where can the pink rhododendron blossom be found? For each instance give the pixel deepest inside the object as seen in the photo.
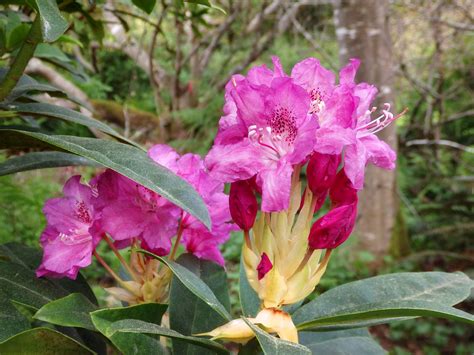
(71, 234)
(243, 204)
(264, 266)
(332, 229)
(275, 133)
(130, 211)
(195, 236)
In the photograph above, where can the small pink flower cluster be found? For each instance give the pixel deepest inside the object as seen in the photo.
(275, 123)
(113, 205)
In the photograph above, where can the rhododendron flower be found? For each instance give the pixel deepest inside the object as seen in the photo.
(130, 211)
(197, 239)
(274, 133)
(333, 229)
(71, 234)
(243, 204)
(321, 173)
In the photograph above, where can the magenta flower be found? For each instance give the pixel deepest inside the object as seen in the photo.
(197, 239)
(243, 204)
(131, 211)
(272, 132)
(333, 229)
(264, 266)
(71, 234)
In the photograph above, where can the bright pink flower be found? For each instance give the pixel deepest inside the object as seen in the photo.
(264, 266)
(243, 204)
(321, 173)
(276, 132)
(70, 236)
(333, 229)
(195, 236)
(130, 211)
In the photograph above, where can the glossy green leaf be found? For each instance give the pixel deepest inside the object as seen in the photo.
(249, 300)
(130, 162)
(188, 313)
(69, 311)
(271, 345)
(53, 25)
(194, 284)
(141, 327)
(12, 321)
(63, 113)
(48, 51)
(387, 298)
(349, 341)
(131, 343)
(18, 279)
(145, 5)
(41, 160)
(42, 341)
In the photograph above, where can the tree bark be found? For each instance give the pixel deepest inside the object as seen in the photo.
(362, 31)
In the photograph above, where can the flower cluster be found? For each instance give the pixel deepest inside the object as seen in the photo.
(276, 126)
(113, 206)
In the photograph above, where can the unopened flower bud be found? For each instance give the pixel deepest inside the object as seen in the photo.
(342, 192)
(243, 204)
(264, 266)
(321, 173)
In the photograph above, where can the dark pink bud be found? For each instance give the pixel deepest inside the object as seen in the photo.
(342, 192)
(243, 204)
(264, 266)
(333, 229)
(321, 173)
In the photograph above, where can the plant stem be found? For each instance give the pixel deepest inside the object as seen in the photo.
(21, 60)
(120, 257)
(247, 239)
(107, 267)
(178, 239)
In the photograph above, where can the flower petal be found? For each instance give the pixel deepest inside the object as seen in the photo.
(276, 183)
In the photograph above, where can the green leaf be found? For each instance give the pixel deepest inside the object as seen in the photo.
(130, 162)
(70, 311)
(188, 313)
(387, 298)
(141, 327)
(63, 113)
(145, 5)
(347, 346)
(350, 341)
(11, 320)
(194, 284)
(42, 341)
(206, 3)
(41, 160)
(131, 343)
(18, 279)
(249, 300)
(53, 25)
(16, 37)
(48, 51)
(272, 345)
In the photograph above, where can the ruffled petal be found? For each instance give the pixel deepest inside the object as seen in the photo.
(355, 160)
(276, 183)
(348, 73)
(379, 153)
(164, 155)
(331, 140)
(233, 162)
(310, 74)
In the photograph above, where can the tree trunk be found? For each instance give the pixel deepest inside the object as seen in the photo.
(362, 31)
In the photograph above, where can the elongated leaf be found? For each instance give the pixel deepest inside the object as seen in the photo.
(42, 341)
(188, 313)
(194, 284)
(20, 90)
(387, 298)
(69, 311)
(131, 343)
(41, 160)
(137, 326)
(249, 300)
(347, 346)
(145, 5)
(130, 162)
(63, 113)
(272, 345)
(53, 25)
(11, 320)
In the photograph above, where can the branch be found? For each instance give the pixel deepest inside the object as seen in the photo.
(442, 142)
(21, 60)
